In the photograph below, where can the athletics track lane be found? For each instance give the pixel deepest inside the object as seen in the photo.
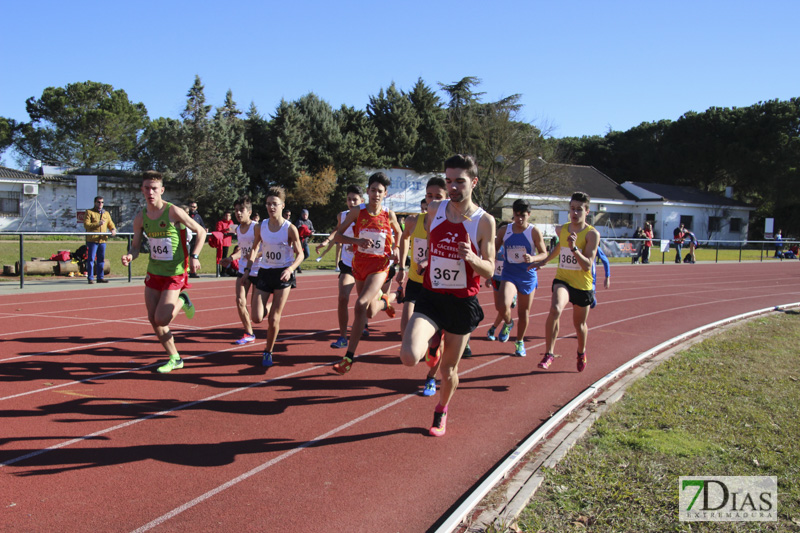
(297, 447)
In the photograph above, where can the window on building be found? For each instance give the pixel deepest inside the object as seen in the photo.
(714, 224)
(613, 220)
(736, 225)
(113, 210)
(687, 221)
(9, 204)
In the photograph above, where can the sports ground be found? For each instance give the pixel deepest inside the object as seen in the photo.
(94, 439)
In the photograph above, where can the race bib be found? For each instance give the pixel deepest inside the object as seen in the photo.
(498, 268)
(161, 249)
(420, 250)
(274, 256)
(378, 242)
(447, 273)
(516, 254)
(567, 260)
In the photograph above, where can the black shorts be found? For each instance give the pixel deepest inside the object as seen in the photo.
(576, 296)
(251, 278)
(392, 271)
(452, 314)
(413, 290)
(269, 280)
(344, 269)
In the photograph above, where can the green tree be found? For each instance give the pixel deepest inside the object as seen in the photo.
(322, 130)
(396, 121)
(432, 146)
(85, 124)
(7, 128)
(256, 161)
(288, 144)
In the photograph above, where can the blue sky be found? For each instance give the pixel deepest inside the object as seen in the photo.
(583, 67)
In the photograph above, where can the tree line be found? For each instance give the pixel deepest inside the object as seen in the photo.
(755, 150)
(306, 146)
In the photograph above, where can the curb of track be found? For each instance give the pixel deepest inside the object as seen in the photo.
(524, 484)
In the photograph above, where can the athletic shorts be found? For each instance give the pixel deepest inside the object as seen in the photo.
(524, 286)
(413, 290)
(269, 280)
(392, 271)
(166, 283)
(496, 284)
(366, 266)
(459, 316)
(576, 296)
(344, 269)
(251, 278)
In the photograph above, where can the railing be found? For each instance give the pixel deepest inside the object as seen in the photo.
(760, 246)
(22, 235)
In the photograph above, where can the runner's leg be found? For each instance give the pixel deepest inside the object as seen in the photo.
(416, 338)
(279, 298)
(558, 302)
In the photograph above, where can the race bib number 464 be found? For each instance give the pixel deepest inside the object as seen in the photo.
(161, 249)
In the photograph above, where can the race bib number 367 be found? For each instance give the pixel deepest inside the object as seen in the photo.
(447, 273)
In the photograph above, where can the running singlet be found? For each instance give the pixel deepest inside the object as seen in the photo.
(245, 241)
(569, 270)
(515, 246)
(275, 249)
(418, 248)
(168, 249)
(378, 227)
(446, 272)
(347, 249)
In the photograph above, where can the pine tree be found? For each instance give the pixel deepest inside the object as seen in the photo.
(432, 144)
(396, 121)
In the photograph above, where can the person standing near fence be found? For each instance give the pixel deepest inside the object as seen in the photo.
(194, 215)
(648, 234)
(778, 243)
(97, 220)
(678, 235)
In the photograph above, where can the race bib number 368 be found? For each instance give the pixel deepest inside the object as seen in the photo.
(567, 260)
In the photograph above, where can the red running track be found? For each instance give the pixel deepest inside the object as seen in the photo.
(92, 439)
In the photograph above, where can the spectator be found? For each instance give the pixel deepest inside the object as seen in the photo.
(648, 234)
(639, 234)
(256, 218)
(226, 227)
(692, 246)
(677, 239)
(287, 214)
(778, 243)
(303, 221)
(194, 215)
(97, 220)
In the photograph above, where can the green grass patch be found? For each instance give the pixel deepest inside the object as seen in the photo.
(9, 254)
(725, 407)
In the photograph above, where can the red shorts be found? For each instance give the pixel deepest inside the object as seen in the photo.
(365, 265)
(166, 283)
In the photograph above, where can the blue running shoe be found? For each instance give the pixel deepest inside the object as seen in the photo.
(246, 339)
(266, 359)
(505, 332)
(430, 387)
(520, 351)
(341, 342)
(491, 335)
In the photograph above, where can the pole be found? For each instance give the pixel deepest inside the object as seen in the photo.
(21, 264)
(129, 264)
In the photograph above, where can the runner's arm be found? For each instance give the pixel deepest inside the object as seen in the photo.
(136, 243)
(297, 247)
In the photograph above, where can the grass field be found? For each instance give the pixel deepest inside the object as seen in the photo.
(725, 407)
(9, 254)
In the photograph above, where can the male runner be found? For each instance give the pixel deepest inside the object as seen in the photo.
(281, 255)
(245, 234)
(375, 250)
(415, 236)
(460, 251)
(519, 240)
(167, 271)
(573, 281)
(345, 265)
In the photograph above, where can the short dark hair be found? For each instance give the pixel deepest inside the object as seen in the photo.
(153, 175)
(101, 198)
(354, 189)
(436, 181)
(521, 206)
(245, 202)
(581, 197)
(464, 162)
(379, 177)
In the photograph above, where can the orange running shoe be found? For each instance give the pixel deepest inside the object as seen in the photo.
(389, 308)
(581, 362)
(439, 425)
(343, 366)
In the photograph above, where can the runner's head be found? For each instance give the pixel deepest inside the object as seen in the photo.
(243, 207)
(423, 205)
(275, 198)
(578, 207)
(461, 176)
(377, 185)
(354, 195)
(435, 191)
(152, 186)
(522, 211)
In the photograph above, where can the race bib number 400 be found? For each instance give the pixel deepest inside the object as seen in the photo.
(161, 249)
(567, 260)
(274, 256)
(378, 242)
(447, 273)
